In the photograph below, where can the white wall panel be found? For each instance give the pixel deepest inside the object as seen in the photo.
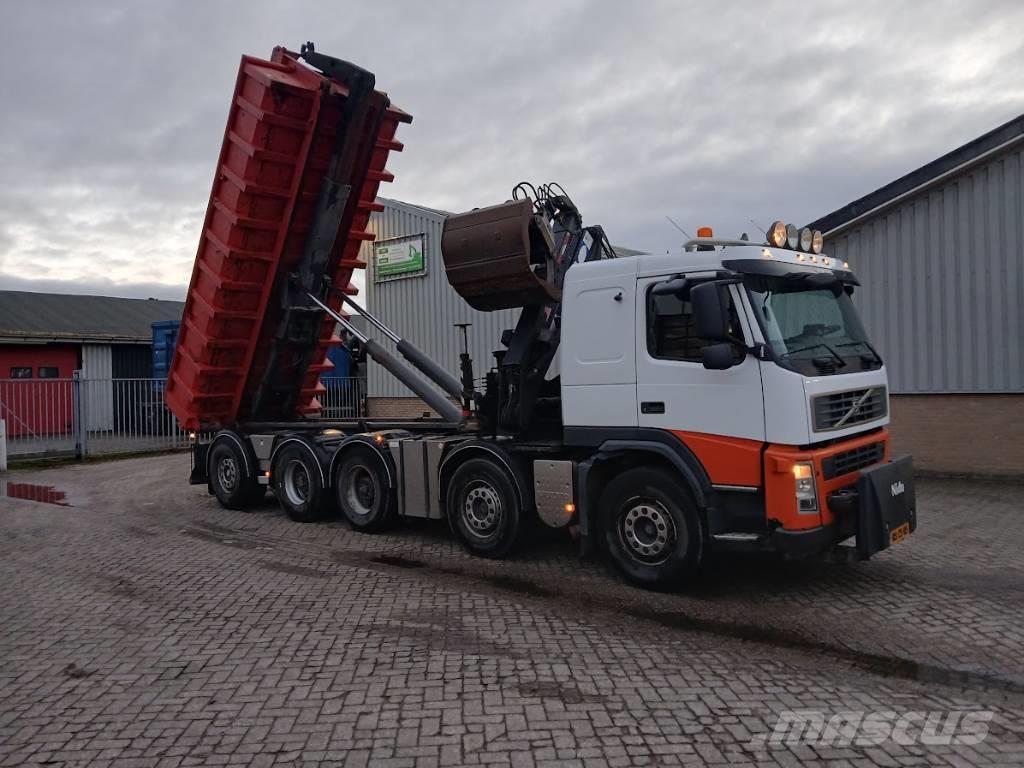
(97, 389)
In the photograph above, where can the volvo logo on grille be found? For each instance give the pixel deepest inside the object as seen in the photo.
(855, 407)
(897, 488)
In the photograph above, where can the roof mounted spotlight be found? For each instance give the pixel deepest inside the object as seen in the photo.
(817, 242)
(792, 236)
(805, 239)
(776, 234)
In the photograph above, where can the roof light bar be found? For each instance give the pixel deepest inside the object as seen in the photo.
(783, 235)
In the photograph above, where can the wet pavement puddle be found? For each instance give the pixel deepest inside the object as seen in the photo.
(46, 494)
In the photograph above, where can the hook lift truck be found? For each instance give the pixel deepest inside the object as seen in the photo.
(725, 398)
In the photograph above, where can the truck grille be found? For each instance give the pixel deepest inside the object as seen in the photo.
(830, 411)
(852, 460)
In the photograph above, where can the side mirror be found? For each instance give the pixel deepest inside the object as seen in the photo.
(710, 318)
(718, 357)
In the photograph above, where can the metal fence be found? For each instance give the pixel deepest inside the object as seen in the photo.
(345, 398)
(89, 417)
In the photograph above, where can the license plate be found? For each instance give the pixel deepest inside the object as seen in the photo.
(899, 533)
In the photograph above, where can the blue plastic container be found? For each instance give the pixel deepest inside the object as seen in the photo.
(165, 336)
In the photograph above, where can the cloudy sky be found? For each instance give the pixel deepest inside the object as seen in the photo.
(711, 113)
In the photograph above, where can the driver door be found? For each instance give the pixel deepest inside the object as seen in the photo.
(674, 389)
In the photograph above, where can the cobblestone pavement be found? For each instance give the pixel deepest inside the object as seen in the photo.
(145, 625)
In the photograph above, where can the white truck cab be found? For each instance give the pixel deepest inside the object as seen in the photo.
(784, 399)
(625, 344)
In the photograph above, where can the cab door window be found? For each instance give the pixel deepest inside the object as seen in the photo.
(671, 333)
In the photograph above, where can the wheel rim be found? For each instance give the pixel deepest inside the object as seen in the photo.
(296, 483)
(647, 530)
(227, 473)
(481, 509)
(360, 491)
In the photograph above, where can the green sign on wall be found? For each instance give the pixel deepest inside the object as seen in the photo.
(400, 257)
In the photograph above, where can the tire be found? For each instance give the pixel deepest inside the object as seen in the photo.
(297, 484)
(483, 508)
(362, 491)
(652, 528)
(231, 485)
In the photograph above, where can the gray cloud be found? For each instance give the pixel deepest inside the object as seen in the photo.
(712, 114)
(96, 286)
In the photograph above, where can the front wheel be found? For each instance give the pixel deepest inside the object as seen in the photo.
(652, 528)
(298, 484)
(484, 508)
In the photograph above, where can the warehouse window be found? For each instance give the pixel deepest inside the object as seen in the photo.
(671, 334)
(48, 372)
(21, 372)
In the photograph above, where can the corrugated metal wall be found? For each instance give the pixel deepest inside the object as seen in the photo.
(132, 361)
(424, 308)
(943, 281)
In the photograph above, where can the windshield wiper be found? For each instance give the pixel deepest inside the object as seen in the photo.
(831, 351)
(878, 357)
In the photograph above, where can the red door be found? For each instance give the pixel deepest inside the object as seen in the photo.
(36, 389)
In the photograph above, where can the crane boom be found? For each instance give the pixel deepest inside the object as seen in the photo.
(516, 254)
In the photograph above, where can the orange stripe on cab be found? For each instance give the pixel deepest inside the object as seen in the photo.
(727, 460)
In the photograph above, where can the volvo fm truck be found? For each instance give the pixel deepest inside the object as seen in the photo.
(660, 407)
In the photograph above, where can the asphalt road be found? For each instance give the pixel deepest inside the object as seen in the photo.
(140, 623)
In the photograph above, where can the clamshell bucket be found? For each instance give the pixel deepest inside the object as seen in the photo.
(500, 257)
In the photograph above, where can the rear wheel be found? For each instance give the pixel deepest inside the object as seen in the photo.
(362, 491)
(298, 485)
(652, 528)
(483, 508)
(231, 484)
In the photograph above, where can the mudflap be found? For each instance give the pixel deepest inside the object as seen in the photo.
(887, 506)
(198, 474)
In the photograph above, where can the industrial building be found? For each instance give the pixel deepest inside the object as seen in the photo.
(103, 336)
(940, 253)
(406, 287)
(46, 337)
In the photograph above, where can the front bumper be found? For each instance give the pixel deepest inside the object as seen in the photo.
(880, 510)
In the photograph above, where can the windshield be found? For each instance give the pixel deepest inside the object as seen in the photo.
(812, 328)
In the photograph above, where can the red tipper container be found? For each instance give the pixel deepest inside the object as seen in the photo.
(280, 134)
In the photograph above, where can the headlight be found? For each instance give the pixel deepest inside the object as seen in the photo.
(806, 492)
(792, 236)
(805, 239)
(817, 241)
(777, 234)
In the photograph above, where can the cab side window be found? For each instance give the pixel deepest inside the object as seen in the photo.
(671, 334)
